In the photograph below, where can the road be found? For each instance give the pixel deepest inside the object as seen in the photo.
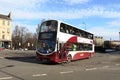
(22, 65)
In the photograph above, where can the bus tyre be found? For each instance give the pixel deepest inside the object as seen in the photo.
(69, 58)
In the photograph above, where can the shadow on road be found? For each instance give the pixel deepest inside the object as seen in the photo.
(31, 59)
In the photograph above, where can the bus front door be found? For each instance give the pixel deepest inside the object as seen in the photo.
(62, 52)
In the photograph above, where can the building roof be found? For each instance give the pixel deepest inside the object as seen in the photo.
(8, 17)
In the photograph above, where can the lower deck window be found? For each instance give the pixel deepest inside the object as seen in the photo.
(79, 47)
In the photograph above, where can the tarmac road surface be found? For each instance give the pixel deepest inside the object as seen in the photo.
(22, 65)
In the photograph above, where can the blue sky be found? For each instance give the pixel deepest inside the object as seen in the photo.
(102, 17)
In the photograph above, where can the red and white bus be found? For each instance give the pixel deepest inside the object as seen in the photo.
(60, 42)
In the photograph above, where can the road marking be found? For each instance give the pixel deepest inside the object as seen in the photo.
(117, 64)
(5, 78)
(37, 75)
(90, 69)
(66, 72)
(113, 69)
(105, 67)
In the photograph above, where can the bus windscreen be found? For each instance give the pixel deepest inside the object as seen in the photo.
(48, 26)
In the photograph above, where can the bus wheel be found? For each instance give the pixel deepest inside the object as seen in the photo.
(69, 58)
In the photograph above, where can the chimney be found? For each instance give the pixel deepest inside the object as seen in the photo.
(9, 15)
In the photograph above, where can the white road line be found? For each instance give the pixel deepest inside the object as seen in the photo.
(116, 69)
(117, 64)
(90, 69)
(6, 78)
(105, 66)
(66, 72)
(37, 75)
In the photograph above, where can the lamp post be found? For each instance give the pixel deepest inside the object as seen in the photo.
(84, 24)
(119, 36)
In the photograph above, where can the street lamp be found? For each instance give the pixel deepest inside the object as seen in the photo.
(119, 36)
(84, 24)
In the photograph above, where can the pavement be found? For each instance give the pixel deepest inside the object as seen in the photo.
(17, 53)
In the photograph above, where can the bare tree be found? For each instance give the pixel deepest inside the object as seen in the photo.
(22, 38)
(23, 32)
(18, 36)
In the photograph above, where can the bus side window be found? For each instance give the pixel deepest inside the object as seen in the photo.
(85, 47)
(61, 29)
(90, 36)
(80, 47)
(90, 46)
(72, 31)
(78, 33)
(67, 30)
(74, 47)
(84, 34)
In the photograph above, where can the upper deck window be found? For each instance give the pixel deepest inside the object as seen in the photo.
(48, 26)
(75, 31)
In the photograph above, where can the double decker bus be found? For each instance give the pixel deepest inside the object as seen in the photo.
(60, 42)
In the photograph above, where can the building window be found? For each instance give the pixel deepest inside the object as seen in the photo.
(3, 36)
(3, 22)
(3, 30)
(8, 37)
(8, 23)
(8, 30)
